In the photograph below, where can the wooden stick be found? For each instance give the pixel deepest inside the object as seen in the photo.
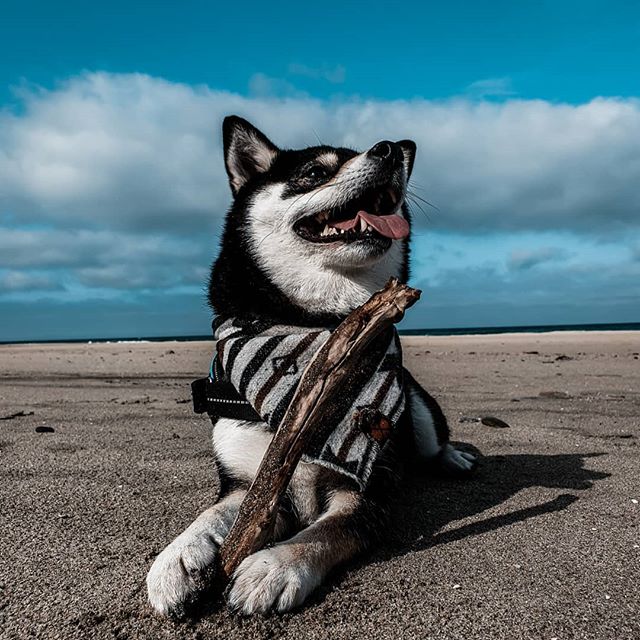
(322, 378)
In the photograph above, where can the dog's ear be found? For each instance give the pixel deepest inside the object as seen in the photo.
(247, 151)
(409, 151)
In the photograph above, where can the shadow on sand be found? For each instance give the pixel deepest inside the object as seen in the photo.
(427, 504)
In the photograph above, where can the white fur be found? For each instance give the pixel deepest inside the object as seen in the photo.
(423, 426)
(331, 277)
(182, 569)
(282, 576)
(457, 460)
(276, 578)
(240, 446)
(244, 144)
(329, 159)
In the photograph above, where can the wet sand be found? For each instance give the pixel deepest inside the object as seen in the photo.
(542, 543)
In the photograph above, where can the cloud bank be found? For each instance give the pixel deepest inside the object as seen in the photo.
(135, 152)
(116, 182)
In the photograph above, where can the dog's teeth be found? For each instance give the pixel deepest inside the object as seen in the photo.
(363, 225)
(332, 231)
(341, 231)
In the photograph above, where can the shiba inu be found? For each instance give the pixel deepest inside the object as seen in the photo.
(311, 234)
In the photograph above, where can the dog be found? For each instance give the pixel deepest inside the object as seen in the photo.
(310, 236)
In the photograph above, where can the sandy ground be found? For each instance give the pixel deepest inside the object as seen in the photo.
(542, 543)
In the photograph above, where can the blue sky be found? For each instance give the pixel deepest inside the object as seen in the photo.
(112, 188)
(561, 51)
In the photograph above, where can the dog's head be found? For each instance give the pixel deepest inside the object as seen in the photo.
(327, 226)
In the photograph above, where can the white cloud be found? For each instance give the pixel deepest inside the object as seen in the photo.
(11, 281)
(60, 248)
(113, 185)
(140, 153)
(491, 88)
(113, 151)
(334, 75)
(487, 296)
(141, 276)
(263, 86)
(528, 258)
(43, 259)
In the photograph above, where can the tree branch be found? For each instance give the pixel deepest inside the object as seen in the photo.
(304, 419)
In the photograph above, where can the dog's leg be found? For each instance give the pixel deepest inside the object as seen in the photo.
(183, 569)
(281, 577)
(431, 431)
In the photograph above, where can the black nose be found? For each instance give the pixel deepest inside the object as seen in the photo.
(382, 150)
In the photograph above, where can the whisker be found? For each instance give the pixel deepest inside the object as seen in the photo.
(415, 195)
(417, 204)
(265, 238)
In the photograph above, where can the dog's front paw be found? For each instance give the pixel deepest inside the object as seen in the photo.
(457, 461)
(272, 579)
(181, 572)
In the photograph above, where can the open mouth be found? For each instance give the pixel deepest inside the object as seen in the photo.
(369, 217)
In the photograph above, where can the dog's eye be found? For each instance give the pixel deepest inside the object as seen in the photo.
(315, 172)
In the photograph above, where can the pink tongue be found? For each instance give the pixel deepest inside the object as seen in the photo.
(393, 226)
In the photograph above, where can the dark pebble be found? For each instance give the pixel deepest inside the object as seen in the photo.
(563, 357)
(532, 353)
(490, 421)
(45, 429)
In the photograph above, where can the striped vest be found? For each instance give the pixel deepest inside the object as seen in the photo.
(264, 364)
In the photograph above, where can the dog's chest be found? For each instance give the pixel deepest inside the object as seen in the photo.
(239, 447)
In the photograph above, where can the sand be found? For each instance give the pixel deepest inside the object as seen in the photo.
(542, 543)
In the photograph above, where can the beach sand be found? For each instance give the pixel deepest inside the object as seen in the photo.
(542, 543)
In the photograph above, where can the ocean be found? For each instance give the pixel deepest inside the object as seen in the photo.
(455, 331)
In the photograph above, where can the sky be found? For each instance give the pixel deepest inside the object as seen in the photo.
(112, 183)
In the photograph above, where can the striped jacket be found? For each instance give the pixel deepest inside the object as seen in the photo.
(264, 364)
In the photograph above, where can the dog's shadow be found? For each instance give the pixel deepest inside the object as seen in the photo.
(428, 504)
